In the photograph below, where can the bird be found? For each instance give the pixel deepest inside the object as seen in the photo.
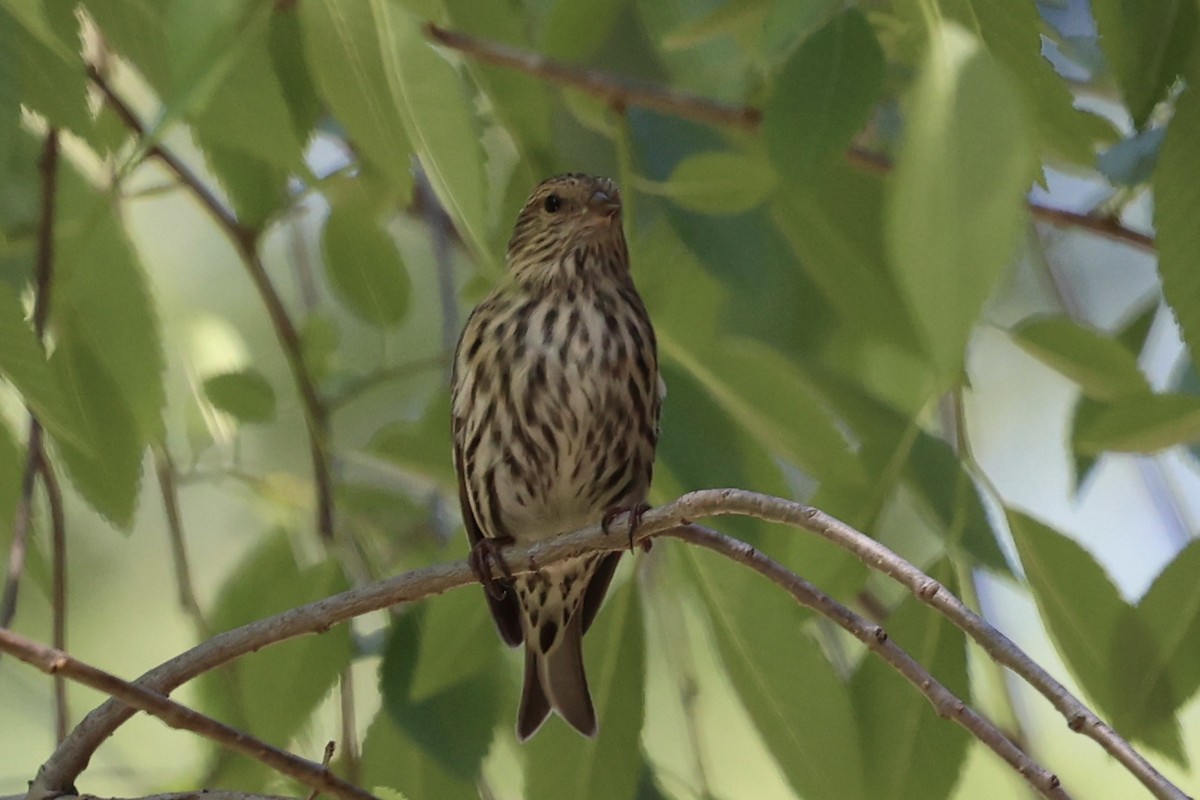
(555, 405)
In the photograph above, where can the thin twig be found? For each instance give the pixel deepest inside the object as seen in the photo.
(164, 469)
(330, 747)
(43, 281)
(1107, 225)
(944, 702)
(245, 241)
(57, 774)
(58, 546)
(613, 90)
(56, 662)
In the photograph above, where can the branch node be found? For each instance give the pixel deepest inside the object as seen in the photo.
(880, 634)
(928, 589)
(1076, 721)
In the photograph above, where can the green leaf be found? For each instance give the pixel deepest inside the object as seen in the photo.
(771, 400)
(362, 263)
(102, 300)
(1141, 424)
(248, 112)
(732, 19)
(31, 14)
(789, 22)
(22, 363)
(440, 683)
(391, 759)
(956, 204)
(438, 114)
(937, 474)
(12, 468)
(523, 106)
(422, 447)
(823, 96)
(137, 30)
(1078, 602)
(1118, 653)
(564, 764)
(245, 395)
(1170, 611)
(574, 31)
(105, 463)
(52, 79)
(345, 54)
(289, 62)
(1012, 32)
(909, 751)
(719, 182)
(256, 188)
(1176, 209)
(1104, 368)
(273, 692)
(1147, 46)
(801, 709)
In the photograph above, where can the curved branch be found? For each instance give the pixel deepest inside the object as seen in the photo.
(55, 662)
(245, 241)
(58, 773)
(944, 702)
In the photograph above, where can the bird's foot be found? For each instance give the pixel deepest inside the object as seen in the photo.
(636, 512)
(482, 557)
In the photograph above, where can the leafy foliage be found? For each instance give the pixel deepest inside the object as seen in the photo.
(826, 278)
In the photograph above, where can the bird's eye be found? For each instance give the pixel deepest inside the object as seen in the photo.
(553, 203)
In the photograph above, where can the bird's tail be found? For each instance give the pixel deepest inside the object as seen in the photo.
(554, 679)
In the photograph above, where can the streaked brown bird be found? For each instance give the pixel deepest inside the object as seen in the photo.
(556, 398)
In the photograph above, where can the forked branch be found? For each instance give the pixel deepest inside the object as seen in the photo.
(59, 772)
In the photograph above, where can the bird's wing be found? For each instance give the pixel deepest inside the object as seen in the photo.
(505, 610)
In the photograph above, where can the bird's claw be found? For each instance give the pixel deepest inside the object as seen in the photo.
(482, 557)
(636, 512)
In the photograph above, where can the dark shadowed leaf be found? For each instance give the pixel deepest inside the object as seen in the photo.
(800, 707)
(1147, 46)
(564, 764)
(823, 95)
(246, 395)
(440, 682)
(1176, 209)
(12, 467)
(909, 751)
(391, 759)
(273, 692)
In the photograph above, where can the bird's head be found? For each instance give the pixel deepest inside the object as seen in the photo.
(569, 230)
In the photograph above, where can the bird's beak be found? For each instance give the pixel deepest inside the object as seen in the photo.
(605, 203)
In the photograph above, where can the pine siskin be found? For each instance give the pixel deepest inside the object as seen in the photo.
(556, 398)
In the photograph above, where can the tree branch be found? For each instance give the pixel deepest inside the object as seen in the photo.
(613, 90)
(945, 702)
(56, 662)
(622, 92)
(58, 773)
(164, 469)
(245, 241)
(58, 546)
